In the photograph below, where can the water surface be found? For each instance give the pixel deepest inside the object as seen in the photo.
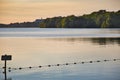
(39, 48)
(53, 32)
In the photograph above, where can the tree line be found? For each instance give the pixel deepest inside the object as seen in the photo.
(100, 19)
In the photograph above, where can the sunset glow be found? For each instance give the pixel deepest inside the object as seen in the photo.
(28, 10)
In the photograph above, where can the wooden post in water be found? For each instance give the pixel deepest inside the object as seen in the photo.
(5, 58)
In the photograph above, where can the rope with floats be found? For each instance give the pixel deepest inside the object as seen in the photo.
(58, 65)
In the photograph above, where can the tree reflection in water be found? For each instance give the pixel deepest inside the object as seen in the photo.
(97, 41)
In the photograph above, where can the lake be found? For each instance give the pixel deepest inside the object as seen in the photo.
(42, 49)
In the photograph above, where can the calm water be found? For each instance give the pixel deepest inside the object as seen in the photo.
(34, 47)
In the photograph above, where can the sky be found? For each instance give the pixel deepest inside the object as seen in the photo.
(12, 11)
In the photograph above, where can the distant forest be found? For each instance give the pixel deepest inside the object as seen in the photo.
(100, 19)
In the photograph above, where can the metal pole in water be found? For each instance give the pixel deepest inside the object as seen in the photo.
(5, 72)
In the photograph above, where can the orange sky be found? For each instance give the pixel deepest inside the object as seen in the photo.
(28, 10)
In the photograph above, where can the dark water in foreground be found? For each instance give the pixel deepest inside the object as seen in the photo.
(34, 47)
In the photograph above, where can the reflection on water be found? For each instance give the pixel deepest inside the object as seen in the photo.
(106, 41)
(98, 41)
(43, 51)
